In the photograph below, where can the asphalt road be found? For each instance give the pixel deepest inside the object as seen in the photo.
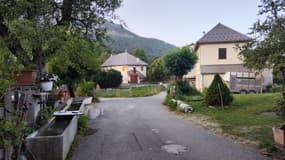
(142, 129)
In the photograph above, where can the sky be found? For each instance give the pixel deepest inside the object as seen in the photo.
(182, 22)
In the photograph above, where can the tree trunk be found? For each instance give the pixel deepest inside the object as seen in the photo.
(71, 91)
(179, 78)
(38, 60)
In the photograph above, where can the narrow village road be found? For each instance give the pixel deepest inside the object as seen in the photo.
(142, 129)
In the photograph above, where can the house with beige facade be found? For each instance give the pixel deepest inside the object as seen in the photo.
(133, 69)
(217, 52)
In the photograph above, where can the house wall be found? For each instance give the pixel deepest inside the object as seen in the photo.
(209, 54)
(124, 71)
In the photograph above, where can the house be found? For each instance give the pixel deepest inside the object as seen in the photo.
(133, 69)
(217, 52)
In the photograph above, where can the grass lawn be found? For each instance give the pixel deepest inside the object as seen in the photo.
(141, 91)
(243, 119)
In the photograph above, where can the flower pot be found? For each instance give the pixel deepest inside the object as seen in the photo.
(279, 135)
(26, 77)
(47, 86)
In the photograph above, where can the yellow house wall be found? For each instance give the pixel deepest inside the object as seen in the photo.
(208, 54)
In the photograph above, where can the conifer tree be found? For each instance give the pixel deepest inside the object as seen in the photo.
(218, 92)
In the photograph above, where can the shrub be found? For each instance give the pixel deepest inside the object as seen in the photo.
(82, 124)
(110, 79)
(44, 116)
(217, 87)
(85, 88)
(169, 103)
(183, 88)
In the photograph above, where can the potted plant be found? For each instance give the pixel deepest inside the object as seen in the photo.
(46, 81)
(279, 135)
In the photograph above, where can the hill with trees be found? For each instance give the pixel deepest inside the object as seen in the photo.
(122, 39)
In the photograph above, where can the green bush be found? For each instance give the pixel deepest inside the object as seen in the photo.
(82, 124)
(110, 79)
(85, 88)
(183, 88)
(44, 116)
(169, 103)
(217, 90)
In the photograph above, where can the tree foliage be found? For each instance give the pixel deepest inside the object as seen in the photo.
(76, 60)
(217, 91)
(157, 70)
(29, 28)
(139, 53)
(179, 61)
(268, 49)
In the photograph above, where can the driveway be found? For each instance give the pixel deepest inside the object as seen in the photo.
(142, 129)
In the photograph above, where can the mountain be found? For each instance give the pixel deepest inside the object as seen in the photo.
(122, 39)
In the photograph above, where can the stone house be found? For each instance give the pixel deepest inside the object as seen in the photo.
(133, 69)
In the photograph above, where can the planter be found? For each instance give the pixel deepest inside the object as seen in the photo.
(279, 135)
(47, 86)
(26, 77)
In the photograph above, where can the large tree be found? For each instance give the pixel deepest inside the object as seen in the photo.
(157, 70)
(268, 49)
(75, 61)
(179, 61)
(28, 28)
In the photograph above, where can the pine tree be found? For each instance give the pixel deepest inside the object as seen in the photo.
(218, 92)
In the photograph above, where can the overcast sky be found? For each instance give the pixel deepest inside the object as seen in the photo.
(182, 22)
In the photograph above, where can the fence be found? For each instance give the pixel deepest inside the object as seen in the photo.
(132, 91)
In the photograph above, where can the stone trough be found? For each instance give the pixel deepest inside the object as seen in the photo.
(53, 141)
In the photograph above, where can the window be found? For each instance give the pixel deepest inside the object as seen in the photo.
(141, 68)
(222, 53)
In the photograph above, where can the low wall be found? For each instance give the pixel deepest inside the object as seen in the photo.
(52, 143)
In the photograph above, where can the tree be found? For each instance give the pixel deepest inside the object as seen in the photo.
(267, 50)
(110, 79)
(75, 61)
(157, 70)
(218, 92)
(140, 54)
(28, 27)
(179, 61)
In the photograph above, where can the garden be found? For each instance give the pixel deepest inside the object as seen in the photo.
(246, 118)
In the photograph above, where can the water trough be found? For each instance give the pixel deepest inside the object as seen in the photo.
(53, 141)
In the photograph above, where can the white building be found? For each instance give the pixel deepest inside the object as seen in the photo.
(133, 69)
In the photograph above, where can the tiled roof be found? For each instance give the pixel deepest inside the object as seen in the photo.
(221, 33)
(123, 59)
